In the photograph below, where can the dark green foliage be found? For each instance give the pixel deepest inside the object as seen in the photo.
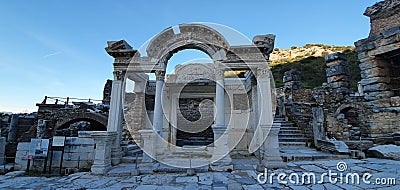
(313, 70)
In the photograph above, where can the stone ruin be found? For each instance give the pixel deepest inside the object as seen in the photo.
(332, 117)
(334, 112)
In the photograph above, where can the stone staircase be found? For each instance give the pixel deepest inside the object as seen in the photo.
(289, 134)
(130, 154)
(293, 144)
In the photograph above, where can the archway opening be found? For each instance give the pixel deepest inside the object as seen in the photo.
(71, 128)
(186, 56)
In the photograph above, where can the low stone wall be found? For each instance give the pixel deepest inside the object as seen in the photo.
(300, 113)
(78, 154)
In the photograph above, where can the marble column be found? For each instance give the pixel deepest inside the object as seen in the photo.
(102, 155)
(158, 112)
(115, 116)
(270, 147)
(221, 150)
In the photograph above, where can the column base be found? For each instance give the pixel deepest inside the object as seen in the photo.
(274, 162)
(100, 169)
(223, 161)
(102, 156)
(272, 155)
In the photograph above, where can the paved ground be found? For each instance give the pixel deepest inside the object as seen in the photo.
(243, 177)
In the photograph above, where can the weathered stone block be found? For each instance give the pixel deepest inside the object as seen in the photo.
(337, 78)
(395, 101)
(369, 64)
(386, 151)
(378, 95)
(335, 56)
(374, 72)
(337, 70)
(376, 87)
(374, 80)
(357, 145)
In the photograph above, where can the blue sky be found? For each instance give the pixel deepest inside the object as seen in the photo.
(56, 48)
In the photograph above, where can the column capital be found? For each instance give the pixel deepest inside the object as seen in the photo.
(263, 72)
(119, 75)
(219, 73)
(160, 75)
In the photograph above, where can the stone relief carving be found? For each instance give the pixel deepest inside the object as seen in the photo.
(190, 72)
(118, 75)
(160, 75)
(263, 72)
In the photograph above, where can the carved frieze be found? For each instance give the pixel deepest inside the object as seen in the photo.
(190, 72)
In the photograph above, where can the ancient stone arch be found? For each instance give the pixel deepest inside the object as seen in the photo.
(150, 130)
(188, 36)
(74, 117)
(348, 106)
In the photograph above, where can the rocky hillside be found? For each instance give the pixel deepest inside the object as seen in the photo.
(309, 60)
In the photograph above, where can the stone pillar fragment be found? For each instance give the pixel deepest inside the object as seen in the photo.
(148, 147)
(318, 125)
(338, 73)
(2, 150)
(12, 134)
(115, 116)
(292, 83)
(102, 156)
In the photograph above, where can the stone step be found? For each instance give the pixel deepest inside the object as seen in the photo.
(286, 123)
(294, 136)
(134, 152)
(130, 147)
(131, 159)
(295, 131)
(289, 128)
(279, 119)
(304, 153)
(292, 144)
(288, 139)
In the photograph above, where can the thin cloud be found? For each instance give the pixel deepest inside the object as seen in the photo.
(51, 54)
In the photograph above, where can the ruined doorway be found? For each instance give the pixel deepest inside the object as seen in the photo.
(394, 59)
(391, 61)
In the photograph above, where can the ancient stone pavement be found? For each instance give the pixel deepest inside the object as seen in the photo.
(242, 177)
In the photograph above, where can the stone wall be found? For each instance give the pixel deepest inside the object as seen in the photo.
(384, 16)
(78, 154)
(299, 110)
(380, 69)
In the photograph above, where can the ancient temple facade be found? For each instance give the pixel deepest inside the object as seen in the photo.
(201, 114)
